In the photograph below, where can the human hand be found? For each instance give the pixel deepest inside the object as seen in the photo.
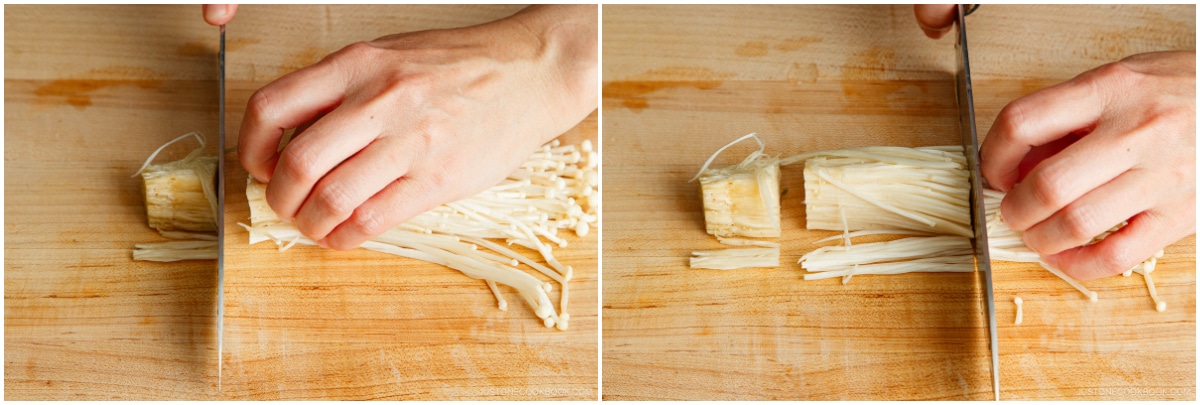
(935, 19)
(1127, 136)
(219, 14)
(391, 128)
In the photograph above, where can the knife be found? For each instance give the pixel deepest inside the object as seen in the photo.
(970, 142)
(221, 209)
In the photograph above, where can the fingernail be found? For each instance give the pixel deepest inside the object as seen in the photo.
(215, 11)
(1006, 181)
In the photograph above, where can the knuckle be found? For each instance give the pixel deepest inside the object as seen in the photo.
(1119, 72)
(259, 105)
(1013, 122)
(407, 87)
(354, 53)
(299, 163)
(439, 177)
(335, 199)
(369, 222)
(1180, 176)
(1080, 224)
(359, 50)
(1111, 81)
(442, 180)
(1112, 261)
(349, 60)
(1163, 120)
(1048, 187)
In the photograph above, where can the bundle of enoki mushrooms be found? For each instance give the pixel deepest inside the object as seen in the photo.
(555, 189)
(919, 193)
(181, 203)
(922, 192)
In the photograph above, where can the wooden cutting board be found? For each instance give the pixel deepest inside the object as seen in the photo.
(90, 91)
(680, 82)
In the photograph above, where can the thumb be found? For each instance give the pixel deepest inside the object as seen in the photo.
(219, 14)
(935, 19)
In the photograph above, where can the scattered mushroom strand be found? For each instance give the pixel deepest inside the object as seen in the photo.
(1018, 301)
(554, 189)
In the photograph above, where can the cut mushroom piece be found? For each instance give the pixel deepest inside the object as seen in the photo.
(743, 199)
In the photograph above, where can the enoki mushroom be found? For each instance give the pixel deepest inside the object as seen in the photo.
(181, 203)
(887, 191)
(762, 254)
(920, 192)
(556, 188)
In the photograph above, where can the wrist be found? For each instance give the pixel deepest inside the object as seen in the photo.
(566, 42)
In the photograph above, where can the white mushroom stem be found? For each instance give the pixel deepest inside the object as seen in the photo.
(946, 264)
(764, 254)
(1018, 301)
(1091, 295)
(840, 258)
(917, 189)
(869, 232)
(500, 301)
(732, 259)
(1159, 306)
(1145, 269)
(176, 251)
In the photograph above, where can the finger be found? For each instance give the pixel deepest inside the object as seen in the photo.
(1042, 152)
(304, 127)
(307, 159)
(292, 100)
(297, 132)
(1097, 211)
(1034, 120)
(935, 19)
(274, 160)
(349, 185)
(400, 201)
(1145, 235)
(1060, 180)
(219, 14)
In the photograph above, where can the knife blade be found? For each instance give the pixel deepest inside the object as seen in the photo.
(970, 142)
(221, 209)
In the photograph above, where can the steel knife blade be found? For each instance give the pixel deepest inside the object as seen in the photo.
(970, 142)
(221, 209)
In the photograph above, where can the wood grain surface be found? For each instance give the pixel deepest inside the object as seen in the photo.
(90, 91)
(681, 81)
